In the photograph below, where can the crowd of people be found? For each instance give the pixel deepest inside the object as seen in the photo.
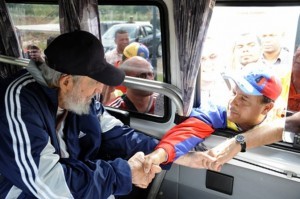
(257, 49)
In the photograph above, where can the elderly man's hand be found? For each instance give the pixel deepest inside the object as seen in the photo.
(139, 177)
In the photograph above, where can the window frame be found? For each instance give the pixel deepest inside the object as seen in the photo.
(243, 3)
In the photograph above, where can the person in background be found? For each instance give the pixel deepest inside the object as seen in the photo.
(246, 50)
(121, 40)
(211, 69)
(253, 95)
(273, 51)
(110, 93)
(294, 93)
(134, 99)
(276, 56)
(35, 54)
(135, 49)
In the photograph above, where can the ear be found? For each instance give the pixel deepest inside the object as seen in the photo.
(65, 82)
(267, 108)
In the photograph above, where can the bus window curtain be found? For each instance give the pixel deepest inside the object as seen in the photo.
(191, 23)
(79, 15)
(9, 42)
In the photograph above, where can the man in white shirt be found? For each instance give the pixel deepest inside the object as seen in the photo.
(121, 40)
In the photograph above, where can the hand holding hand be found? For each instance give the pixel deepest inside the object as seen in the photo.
(139, 177)
(155, 158)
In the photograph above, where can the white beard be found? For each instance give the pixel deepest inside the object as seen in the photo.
(76, 104)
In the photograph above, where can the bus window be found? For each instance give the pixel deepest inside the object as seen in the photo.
(138, 29)
(249, 37)
(38, 24)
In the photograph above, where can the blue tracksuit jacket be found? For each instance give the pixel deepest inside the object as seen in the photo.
(30, 161)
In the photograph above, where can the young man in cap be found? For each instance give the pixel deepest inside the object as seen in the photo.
(253, 96)
(57, 140)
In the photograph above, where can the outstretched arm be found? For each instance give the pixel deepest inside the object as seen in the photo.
(225, 151)
(263, 135)
(182, 138)
(199, 160)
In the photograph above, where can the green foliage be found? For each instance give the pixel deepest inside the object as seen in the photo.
(123, 13)
(23, 14)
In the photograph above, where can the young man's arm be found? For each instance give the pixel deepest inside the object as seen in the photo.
(225, 151)
(260, 136)
(183, 137)
(263, 135)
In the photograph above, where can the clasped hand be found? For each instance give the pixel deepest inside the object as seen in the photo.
(144, 168)
(140, 177)
(199, 160)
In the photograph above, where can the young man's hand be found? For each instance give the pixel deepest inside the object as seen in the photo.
(199, 160)
(155, 158)
(225, 151)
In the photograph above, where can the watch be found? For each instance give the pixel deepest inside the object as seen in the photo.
(240, 139)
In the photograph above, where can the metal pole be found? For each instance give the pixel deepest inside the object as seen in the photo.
(154, 48)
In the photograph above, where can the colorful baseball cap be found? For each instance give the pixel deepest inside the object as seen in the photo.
(257, 82)
(135, 49)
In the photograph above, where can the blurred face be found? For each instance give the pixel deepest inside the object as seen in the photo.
(34, 54)
(77, 93)
(246, 110)
(296, 68)
(247, 49)
(144, 70)
(122, 40)
(270, 42)
(209, 66)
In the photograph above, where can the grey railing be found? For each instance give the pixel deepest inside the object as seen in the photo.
(168, 90)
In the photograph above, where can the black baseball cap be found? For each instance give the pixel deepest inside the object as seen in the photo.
(81, 53)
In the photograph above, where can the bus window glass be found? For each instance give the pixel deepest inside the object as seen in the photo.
(130, 32)
(242, 37)
(37, 24)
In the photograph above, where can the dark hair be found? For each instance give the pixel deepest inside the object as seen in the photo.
(266, 100)
(49, 40)
(120, 31)
(250, 34)
(31, 46)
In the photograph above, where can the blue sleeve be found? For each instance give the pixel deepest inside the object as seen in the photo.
(211, 114)
(119, 140)
(123, 141)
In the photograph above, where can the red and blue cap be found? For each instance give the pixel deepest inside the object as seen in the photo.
(257, 82)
